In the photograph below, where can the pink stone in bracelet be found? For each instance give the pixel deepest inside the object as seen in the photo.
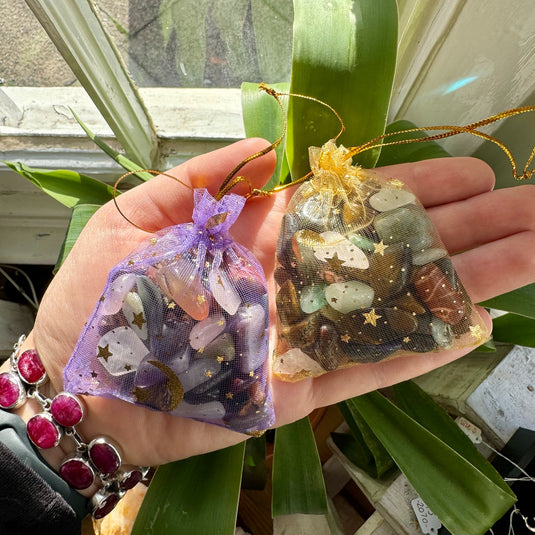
(99, 460)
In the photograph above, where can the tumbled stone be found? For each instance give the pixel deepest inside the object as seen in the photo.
(419, 343)
(43, 431)
(153, 305)
(207, 330)
(371, 353)
(348, 296)
(199, 371)
(135, 314)
(281, 275)
(403, 323)
(303, 334)
(155, 388)
(408, 302)
(304, 243)
(289, 226)
(288, 307)
(213, 410)
(120, 351)
(222, 349)
(173, 340)
(425, 256)
(30, 367)
(338, 251)
(183, 285)
(390, 271)
(391, 198)
(312, 298)
(295, 363)
(355, 215)
(361, 242)
(408, 225)
(224, 291)
(438, 294)
(113, 300)
(446, 266)
(442, 333)
(211, 390)
(327, 350)
(66, 409)
(12, 393)
(316, 214)
(251, 327)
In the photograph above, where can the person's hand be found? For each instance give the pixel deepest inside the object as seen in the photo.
(492, 232)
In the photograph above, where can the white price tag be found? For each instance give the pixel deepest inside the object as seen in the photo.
(470, 430)
(429, 523)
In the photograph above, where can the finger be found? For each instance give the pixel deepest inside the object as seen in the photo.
(498, 267)
(360, 379)
(162, 201)
(486, 217)
(443, 180)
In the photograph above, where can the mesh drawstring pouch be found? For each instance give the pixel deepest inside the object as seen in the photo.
(182, 326)
(362, 274)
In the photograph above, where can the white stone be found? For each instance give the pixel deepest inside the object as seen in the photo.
(207, 330)
(349, 253)
(296, 362)
(134, 312)
(113, 299)
(127, 351)
(390, 199)
(223, 291)
(213, 410)
(348, 296)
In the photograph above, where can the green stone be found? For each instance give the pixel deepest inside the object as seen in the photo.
(361, 242)
(408, 225)
(312, 298)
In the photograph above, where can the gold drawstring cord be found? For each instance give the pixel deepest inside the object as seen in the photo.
(453, 131)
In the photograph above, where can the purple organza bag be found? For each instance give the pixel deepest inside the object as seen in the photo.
(182, 326)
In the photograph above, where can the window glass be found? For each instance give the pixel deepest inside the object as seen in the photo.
(201, 43)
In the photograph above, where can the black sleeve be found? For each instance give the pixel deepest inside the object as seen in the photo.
(28, 504)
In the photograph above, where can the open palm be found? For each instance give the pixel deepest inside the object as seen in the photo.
(493, 232)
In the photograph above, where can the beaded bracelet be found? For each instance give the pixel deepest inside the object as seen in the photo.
(98, 461)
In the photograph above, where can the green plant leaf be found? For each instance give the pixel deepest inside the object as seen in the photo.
(81, 213)
(67, 187)
(122, 160)
(520, 301)
(372, 452)
(410, 398)
(344, 54)
(465, 499)
(353, 449)
(262, 117)
(193, 496)
(298, 485)
(254, 464)
(514, 329)
(410, 152)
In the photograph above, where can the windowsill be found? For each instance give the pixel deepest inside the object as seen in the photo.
(38, 129)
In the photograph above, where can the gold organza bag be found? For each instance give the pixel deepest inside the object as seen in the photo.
(362, 274)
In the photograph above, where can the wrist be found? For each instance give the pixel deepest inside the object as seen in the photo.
(94, 468)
